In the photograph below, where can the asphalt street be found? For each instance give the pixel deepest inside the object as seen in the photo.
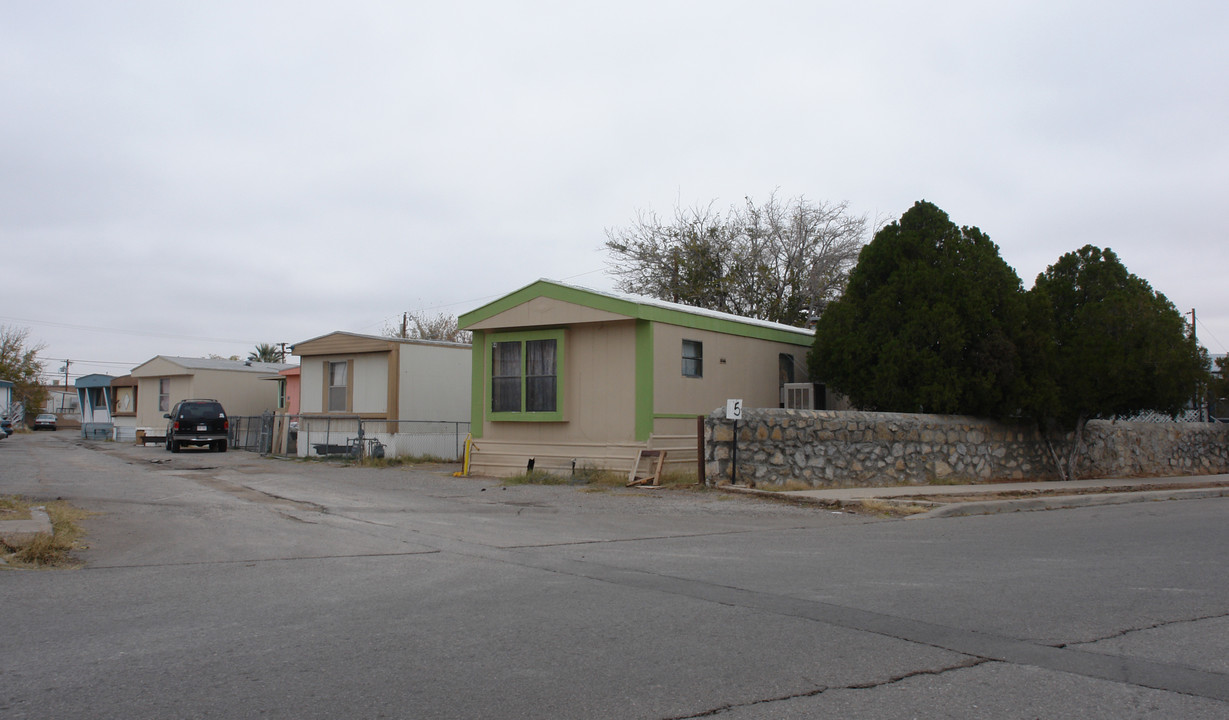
(229, 585)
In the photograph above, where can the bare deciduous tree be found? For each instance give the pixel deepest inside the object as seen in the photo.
(19, 364)
(420, 326)
(782, 261)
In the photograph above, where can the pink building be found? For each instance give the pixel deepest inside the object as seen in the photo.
(288, 397)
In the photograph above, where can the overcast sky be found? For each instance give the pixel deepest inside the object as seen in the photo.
(195, 178)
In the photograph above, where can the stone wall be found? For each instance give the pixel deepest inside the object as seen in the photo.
(828, 448)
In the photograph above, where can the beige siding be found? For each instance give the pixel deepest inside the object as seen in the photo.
(599, 386)
(148, 414)
(367, 380)
(394, 379)
(545, 312)
(734, 367)
(343, 344)
(504, 457)
(241, 393)
(157, 367)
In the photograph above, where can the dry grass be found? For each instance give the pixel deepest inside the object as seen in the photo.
(13, 509)
(888, 509)
(386, 462)
(47, 551)
(536, 477)
(787, 486)
(679, 478)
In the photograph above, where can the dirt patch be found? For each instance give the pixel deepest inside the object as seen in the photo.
(45, 550)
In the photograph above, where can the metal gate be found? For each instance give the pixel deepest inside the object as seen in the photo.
(253, 433)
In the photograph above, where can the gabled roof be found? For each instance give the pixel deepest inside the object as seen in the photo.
(94, 380)
(344, 341)
(190, 363)
(641, 308)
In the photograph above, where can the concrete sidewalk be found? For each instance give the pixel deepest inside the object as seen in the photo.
(988, 498)
(16, 532)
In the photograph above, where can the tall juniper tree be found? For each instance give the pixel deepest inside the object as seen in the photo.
(1117, 348)
(932, 321)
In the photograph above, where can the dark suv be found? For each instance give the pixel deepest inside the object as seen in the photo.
(197, 422)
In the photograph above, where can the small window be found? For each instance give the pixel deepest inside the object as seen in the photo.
(693, 358)
(540, 375)
(337, 386)
(506, 377)
(164, 394)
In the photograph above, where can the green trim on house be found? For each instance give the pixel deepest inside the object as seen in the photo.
(633, 309)
(644, 380)
(478, 383)
(523, 336)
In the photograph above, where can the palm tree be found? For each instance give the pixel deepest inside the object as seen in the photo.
(266, 352)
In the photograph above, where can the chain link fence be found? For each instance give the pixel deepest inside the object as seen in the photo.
(342, 436)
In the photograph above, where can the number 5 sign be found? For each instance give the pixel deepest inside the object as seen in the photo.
(733, 409)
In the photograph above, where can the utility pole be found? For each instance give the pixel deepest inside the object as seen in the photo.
(281, 353)
(64, 395)
(405, 317)
(1195, 400)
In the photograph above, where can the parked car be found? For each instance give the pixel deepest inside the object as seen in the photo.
(45, 421)
(6, 428)
(197, 422)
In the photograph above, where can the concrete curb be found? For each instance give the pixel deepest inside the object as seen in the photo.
(17, 532)
(985, 507)
(991, 507)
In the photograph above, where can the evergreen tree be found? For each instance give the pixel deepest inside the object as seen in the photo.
(930, 322)
(1117, 347)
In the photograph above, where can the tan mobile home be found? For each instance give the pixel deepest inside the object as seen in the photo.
(563, 374)
(239, 385)
(421, 387)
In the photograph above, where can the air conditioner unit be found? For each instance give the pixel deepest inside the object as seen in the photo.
(799, 396)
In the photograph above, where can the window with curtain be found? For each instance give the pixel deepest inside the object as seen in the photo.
(540, 376)
(506, 377)
(525, 374)
(693, 358)
(164, 395)
(337, 386)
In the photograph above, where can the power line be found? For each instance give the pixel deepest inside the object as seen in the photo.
(95, 362)
(139, 333)
(386, 319)
(1204, 329)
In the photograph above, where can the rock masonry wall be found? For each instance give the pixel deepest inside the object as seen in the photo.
(827, 448)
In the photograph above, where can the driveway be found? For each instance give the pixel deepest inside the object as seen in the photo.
(228, 585)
